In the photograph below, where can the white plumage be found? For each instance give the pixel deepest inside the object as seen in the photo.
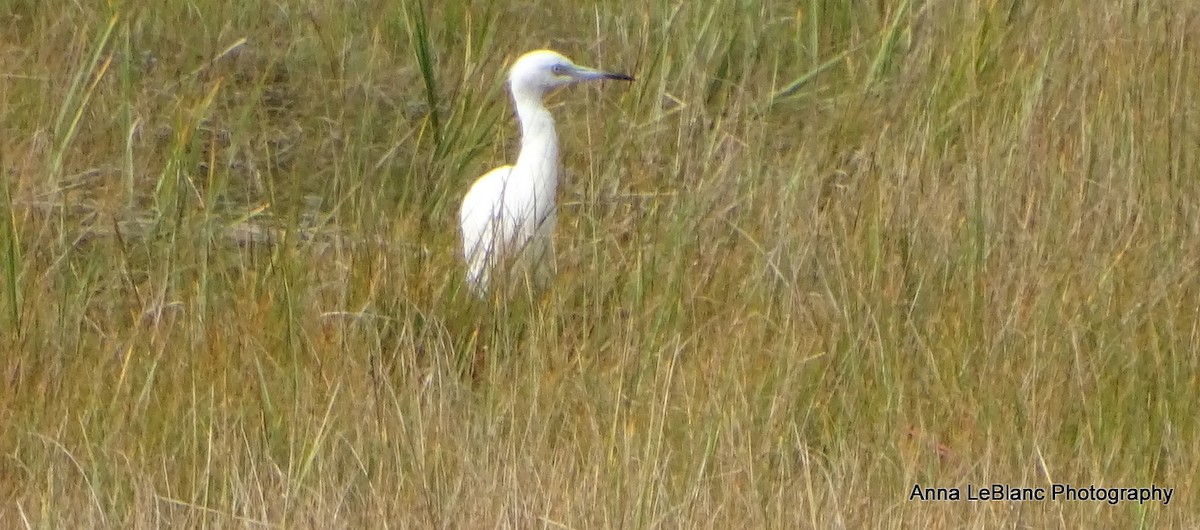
(507, 217)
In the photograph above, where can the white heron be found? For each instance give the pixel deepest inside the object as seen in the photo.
(508, 215)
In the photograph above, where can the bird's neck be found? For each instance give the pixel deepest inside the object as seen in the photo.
(539, 142)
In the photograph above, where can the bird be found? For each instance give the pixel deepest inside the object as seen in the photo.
(507, 217)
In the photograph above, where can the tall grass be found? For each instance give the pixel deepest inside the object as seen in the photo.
(818, 253)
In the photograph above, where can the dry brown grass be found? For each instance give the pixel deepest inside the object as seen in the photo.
(810, 259)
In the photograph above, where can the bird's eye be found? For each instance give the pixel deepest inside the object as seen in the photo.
(559, 69)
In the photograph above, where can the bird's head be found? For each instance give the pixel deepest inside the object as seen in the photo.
(542, 71)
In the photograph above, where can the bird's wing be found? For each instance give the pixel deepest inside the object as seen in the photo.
(481, 209)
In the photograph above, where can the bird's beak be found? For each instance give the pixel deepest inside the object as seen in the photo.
(583, 73)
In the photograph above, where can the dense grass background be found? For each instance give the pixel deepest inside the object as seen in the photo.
(817, 253)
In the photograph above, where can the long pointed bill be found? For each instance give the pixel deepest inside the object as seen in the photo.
(584, 73)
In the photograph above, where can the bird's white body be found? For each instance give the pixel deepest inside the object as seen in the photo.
(507, 218)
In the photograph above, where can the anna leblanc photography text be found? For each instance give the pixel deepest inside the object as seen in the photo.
(1056, 492)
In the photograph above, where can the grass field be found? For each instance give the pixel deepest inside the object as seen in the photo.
(819, 252)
